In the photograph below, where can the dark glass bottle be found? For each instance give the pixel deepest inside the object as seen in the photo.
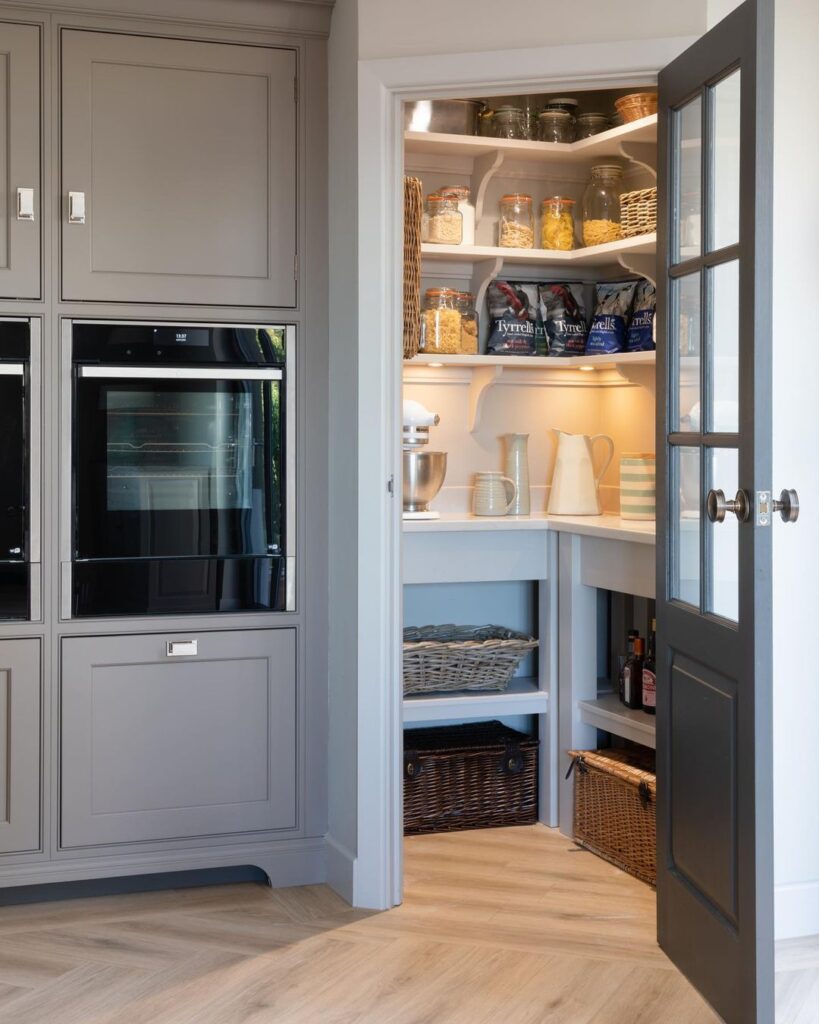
(632, 636)
(633, 677)
(650, 674)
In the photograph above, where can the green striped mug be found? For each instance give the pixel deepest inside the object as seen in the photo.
(638, 486)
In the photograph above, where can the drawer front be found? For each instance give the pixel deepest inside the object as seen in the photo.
(168, 736)
(20, 708)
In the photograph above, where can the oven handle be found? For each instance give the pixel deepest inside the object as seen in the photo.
(12, 369)
(180, 373)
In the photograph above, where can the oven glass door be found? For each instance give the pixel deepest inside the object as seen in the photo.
(14, 495)
(176, 467)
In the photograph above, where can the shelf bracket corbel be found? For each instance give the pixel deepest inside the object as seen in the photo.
(642, 374)
(483, 274)
(483, 378)
(483, 170)
(644, 154)
(638, 263)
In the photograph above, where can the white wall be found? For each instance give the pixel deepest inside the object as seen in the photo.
(716, 10)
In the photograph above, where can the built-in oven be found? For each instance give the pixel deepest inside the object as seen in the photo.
(182, 485)
(19, 468)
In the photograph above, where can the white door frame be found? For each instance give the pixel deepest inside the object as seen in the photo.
(383, 86)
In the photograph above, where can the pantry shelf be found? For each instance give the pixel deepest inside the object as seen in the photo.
(610, 714)
(522, 698)
(617, 254)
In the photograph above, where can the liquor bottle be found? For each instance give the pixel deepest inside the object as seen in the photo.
(650, 675)
(633, 677)
(632, 636)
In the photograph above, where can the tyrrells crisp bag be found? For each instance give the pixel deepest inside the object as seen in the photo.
(564, 317)
(515, 327)
(640, 337)
(611, 314)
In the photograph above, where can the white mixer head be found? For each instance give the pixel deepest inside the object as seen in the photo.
(417, 421)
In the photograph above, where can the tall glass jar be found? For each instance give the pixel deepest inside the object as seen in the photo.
(446, 223)
(557, 223)
(601, 205)
(591, 124)
(462, 194)
(469, 323)
(555, 126)
(509, 123)
(516, 225)
(441, 322)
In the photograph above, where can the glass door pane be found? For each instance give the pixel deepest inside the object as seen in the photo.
(685, 525)
(723, 348)
(723, 538)
(686, 298)
(688, 181)
(724, 191)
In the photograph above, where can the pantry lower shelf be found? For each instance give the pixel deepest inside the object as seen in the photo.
(522, 698)
(610, 715)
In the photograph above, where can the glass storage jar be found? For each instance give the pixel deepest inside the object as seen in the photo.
(555, 126)
(590, 124)
(469, 323)
(446, 223)
(462, 194)
(516, 225)
(601, 205)
(509, 123)
(441, 322)
(425, 217)
(557, 223)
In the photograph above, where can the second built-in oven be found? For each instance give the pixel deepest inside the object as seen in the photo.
(182, 484)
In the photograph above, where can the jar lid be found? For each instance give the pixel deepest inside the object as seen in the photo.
(461, 191)
(441, 293)
(554, 200)
(554, 115)
(516, 197)
(592, 117)
(438, 198)
(509, 110)
(566, 102)
(466, 296)
(612, 169)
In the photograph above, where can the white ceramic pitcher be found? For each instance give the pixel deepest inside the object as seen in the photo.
(575, 488)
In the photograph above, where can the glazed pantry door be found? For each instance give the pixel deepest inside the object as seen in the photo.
(714, 733)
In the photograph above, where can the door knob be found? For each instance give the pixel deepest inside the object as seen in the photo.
(787, 506)
(717, 505)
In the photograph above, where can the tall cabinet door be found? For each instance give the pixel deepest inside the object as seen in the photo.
(178, 171)
(19, 161)
(714, 694)
(20, 688)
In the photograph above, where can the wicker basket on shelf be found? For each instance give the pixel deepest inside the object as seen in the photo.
(615, 799)
(413, 204)
(638, 212)
(441, 658)
(636, 106)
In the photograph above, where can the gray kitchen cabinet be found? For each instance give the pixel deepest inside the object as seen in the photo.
(158, 744)
(178, 171)
(20, 211)
(20, 705)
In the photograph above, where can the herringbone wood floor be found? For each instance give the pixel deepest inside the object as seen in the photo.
(512, 926)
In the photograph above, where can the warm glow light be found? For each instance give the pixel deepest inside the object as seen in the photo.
(587, 369)
(441, 364)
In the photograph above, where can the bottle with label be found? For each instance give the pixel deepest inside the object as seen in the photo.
(632, 636)
(650, 674)
(633, 677)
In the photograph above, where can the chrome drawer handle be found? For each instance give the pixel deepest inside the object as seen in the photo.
(25, 204)
(181, 648)
(76, 207)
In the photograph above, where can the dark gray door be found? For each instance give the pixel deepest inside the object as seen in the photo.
(714, 734)
(20, 210)
(20, 707)
(179, 171)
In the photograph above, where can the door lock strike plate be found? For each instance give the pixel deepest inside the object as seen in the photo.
(763, 508)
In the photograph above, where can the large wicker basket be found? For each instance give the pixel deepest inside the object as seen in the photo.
(441, 658)
(615, 795)
(480, 775)
(638, 212)
(413, 204)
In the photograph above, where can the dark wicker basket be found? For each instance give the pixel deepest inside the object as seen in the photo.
(615, 800)
(480, 775)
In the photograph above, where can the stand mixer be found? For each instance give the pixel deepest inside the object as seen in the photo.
(424, 471)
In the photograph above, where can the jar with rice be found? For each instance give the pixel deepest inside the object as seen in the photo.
(445, 223)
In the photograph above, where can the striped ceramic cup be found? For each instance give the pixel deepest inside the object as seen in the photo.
(637, 485)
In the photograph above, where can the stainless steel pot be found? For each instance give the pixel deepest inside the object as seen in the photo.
(452, 117)
(424, 474)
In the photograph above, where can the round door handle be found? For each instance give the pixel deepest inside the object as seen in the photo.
(717, 506)
(787, 506)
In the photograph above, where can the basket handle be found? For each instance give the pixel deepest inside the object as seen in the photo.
(413, 765)
(577, 762)
(513, 762)
(645, 794)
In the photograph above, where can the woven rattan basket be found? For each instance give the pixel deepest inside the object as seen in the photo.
(636, 106)
(615, 795)
(480, 775)
(413, 203)
(638, 212)
(440, 658)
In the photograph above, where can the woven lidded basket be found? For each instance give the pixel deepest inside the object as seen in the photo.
(615, 799)
(638, 212)
(479, 775)
(413, 204)
(636, 106)
(451, 657)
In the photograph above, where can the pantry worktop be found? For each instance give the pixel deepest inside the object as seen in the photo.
(605, 526)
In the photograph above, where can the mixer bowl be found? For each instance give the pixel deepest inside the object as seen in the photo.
(424, 474)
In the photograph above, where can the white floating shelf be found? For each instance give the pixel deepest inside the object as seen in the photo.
(597, 362)
(522, 698)
(608, 254)
(609, 714)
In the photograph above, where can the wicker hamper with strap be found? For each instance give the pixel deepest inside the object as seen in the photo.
(615, 799)
(479, 775)
(413, 206)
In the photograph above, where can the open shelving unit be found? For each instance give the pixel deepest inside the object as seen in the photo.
(523, 697)
(610, 715)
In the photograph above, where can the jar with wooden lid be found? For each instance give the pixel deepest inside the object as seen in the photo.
(441, 322)
(601, 205)
(555, 126)
(462, 194)
(509, 123)
(445, 221)
(469, 323)
(557, 226)
(516, 225)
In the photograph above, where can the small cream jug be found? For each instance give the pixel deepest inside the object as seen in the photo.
(494, 494)
(575, 488)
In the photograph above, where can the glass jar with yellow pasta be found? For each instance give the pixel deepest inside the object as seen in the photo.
(557, 223)
(441, 322)
(516, 225)
(469, 323)
(601, 205)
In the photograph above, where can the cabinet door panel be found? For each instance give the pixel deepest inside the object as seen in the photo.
(19, 160)
(19, 745)
(158, 747)
(186, 153)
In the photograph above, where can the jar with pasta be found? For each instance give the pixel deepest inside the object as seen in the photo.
(441, 322)
(469, 323)
(445, 225)
(557, 223)
(516, 226)
(601, 205)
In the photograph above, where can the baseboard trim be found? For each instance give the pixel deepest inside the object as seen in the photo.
(340, 869)
(796, 910)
